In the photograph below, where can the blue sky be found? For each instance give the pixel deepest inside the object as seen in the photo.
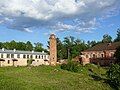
(34, 20)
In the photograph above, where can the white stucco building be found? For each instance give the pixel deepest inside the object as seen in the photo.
(20, 58)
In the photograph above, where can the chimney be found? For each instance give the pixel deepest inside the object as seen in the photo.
(32, 51)
(14, 50)
(3, 49)
(43, 52)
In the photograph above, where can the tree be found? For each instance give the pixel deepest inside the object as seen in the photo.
(21, 46)
(107, 38)
(117, 54)
(29, 46)
(59, 49)
(1, 45)
(91, 43)
(118, 36)
(38, 47)
(113, 74)
(69, 43)
(73, 46)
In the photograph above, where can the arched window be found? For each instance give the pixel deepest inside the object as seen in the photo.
(8, 61)
(86, 56)
(36, 56)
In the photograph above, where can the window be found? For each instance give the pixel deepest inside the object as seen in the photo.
(86, 56)
(8, 55)
(36, 56)
(8, 61)
(102, 55)
(24, 56)
(18, 55)
(93, 55)
(112, 54)
(39, 56)
(1, 55)
(12, 55)
(45, 57)
(27, 56)
(31, 56)
(42, 57)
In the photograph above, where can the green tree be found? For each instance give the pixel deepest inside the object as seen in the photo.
(38, 47)
(29, 46)
(69, 43)
(107, 38)
(91, 43)
(117, 54)
(113, 74)
(118, 36)
(21, 46)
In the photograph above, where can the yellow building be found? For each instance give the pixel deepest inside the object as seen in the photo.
(20, 58)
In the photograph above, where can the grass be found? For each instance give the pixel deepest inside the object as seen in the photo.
(49, 78)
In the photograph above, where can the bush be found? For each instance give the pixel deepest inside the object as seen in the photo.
(117, 54)
(29, 62)
(113, 74)
(72, 66)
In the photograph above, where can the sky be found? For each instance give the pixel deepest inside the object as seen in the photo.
(35, 20)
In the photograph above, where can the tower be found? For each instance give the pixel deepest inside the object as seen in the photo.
(53, 50)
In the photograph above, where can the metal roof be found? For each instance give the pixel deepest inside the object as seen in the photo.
(22, 52)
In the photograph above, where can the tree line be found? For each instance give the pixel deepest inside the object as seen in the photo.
(28, 46)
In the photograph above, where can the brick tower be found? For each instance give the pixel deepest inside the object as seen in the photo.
(53, 50)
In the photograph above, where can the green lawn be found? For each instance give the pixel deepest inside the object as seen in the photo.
(49, 78)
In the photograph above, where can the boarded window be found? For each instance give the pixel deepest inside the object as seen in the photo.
(18, 55)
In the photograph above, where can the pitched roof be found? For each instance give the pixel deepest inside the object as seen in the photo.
(104, 46)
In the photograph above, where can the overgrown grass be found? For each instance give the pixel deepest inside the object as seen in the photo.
(49, 78)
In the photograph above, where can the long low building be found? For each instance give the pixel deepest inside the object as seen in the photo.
(20, 58)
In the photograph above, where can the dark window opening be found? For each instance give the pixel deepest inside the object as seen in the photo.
(1, 55)
(24, 56)
(8, 61)
(12, 55)
(8, 55)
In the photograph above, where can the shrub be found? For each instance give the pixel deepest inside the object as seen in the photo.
(29, 62)
(72, 66)
(113, 74)
(117, 54)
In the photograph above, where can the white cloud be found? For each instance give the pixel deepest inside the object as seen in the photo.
(81, 15)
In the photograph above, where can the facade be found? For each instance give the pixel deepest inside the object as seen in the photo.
(102, 54)
(53, 50)
(20, 58)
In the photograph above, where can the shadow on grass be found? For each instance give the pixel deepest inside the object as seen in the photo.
(105, 80)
